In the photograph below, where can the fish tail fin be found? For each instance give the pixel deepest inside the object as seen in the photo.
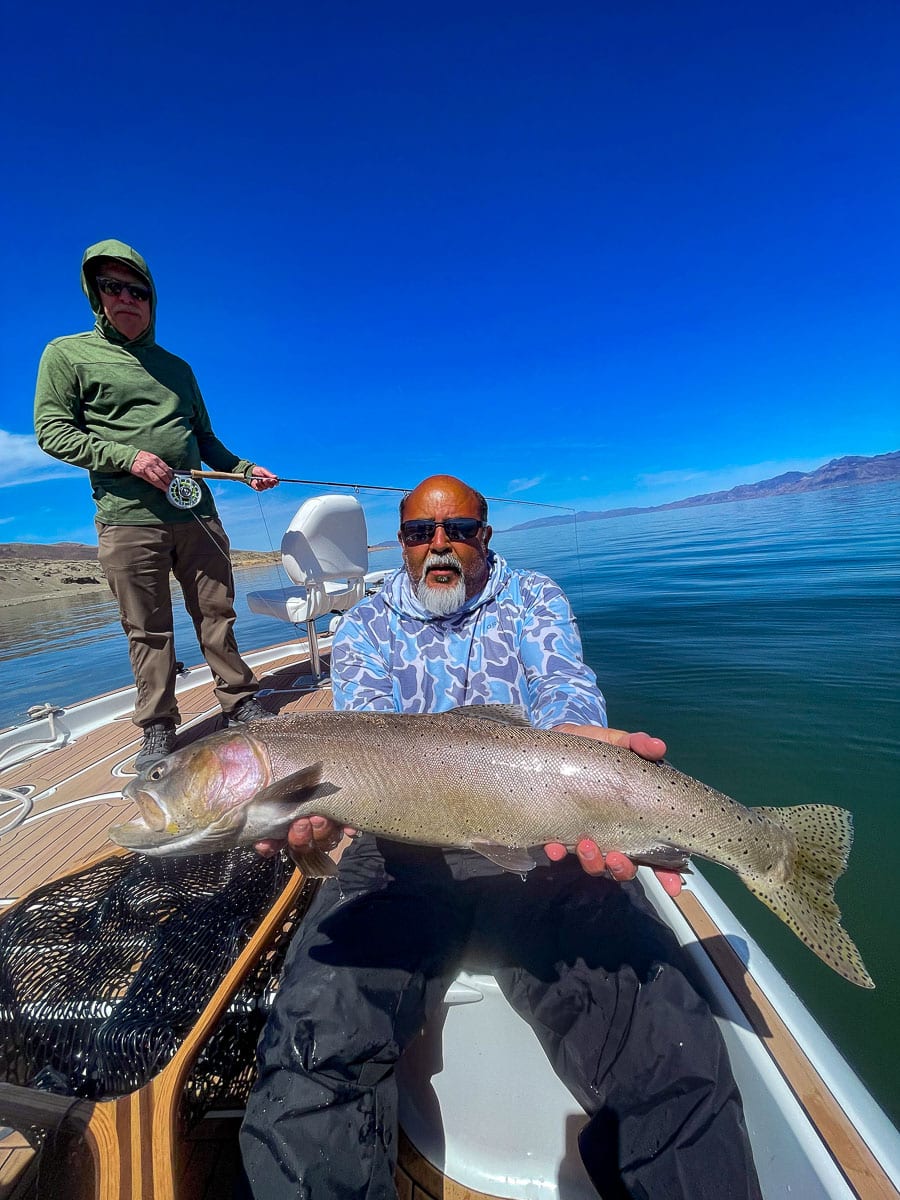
(805, 901)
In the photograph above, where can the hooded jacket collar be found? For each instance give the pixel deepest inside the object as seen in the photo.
(112, 248)
(399, 595)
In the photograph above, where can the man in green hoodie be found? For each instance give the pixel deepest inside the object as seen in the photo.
(114, 402)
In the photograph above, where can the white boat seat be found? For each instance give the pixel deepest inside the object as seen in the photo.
(298, 603)
(480, 1101)
(325, 554)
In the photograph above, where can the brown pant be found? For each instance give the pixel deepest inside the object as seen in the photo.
(137, 561)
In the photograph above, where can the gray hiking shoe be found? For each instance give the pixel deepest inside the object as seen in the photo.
(159, 740)
(248, 710)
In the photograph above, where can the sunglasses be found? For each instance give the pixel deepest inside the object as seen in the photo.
(457, 529)
(115, 287)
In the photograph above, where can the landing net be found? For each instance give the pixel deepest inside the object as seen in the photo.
(103, 974)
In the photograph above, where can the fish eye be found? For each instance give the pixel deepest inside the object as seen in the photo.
(156, 772)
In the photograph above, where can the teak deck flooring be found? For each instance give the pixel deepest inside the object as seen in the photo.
(77, 788)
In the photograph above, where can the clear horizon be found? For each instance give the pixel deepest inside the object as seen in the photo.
(588, 514)
(587, 256)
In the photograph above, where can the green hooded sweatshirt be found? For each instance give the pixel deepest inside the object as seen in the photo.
(101, 398)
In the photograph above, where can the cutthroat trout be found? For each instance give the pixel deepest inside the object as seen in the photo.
(482, 778)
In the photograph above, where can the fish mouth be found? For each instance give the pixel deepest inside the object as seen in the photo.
(135, 835)
(170, 840)
(155, 816)
(152, 831)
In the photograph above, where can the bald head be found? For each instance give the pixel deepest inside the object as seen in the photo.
(439, 487)
(445, 571)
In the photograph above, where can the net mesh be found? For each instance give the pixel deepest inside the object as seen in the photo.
(104, 973)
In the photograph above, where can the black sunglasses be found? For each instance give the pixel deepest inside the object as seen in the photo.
(457, 529)
(114, 287)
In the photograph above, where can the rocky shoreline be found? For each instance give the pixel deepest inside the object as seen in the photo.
(24, 581)
(29, 577)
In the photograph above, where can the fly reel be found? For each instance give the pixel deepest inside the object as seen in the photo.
(184, 491)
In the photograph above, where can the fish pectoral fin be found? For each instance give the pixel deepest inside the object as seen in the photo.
(500, 714)
(510, 858)
(289, 789)
(314, 863)
(273, 809)
(665, 858)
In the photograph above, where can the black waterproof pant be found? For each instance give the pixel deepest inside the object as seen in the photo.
(584, 960)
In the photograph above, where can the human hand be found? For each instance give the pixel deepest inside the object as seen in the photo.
(592, 860)
(305, 834)
(652, 748)
(152, 469)
(261, 479)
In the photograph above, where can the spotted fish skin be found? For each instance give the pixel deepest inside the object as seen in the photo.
(483, 779)
(465, 781)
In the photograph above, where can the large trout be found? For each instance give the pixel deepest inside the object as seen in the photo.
(482, 778)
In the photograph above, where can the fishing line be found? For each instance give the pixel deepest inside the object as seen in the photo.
(184, 492)
(283, 582)
(357, 487)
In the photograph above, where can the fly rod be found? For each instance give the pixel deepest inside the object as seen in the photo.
(181, 486)
(184, 492)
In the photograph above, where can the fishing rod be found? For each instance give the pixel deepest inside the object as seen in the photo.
(184, 491)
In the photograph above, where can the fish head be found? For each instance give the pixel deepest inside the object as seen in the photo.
(194, 801)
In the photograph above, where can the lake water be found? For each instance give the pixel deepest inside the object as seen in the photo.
(760, 639)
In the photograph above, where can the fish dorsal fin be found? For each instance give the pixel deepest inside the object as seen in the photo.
(500, 714)
(510, 858)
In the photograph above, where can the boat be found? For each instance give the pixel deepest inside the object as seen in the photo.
(470, 1127)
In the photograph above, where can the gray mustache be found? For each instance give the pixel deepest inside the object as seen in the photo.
(442, 560)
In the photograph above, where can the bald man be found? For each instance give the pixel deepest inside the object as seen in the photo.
(575, 946)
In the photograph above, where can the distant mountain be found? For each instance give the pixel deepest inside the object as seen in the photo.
(65, 551)
(851, 470)
(840, 472)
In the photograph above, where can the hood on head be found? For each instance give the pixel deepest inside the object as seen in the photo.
(90, 262)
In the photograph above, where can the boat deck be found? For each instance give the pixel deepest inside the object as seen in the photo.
(76, 794)
(77, 788)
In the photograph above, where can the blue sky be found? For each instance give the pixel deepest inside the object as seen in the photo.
(589, 254)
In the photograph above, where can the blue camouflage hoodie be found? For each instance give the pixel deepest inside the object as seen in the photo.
(516, 642)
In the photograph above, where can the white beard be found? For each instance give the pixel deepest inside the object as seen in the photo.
(444, 600)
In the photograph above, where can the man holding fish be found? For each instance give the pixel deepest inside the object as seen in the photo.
(574, 944)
